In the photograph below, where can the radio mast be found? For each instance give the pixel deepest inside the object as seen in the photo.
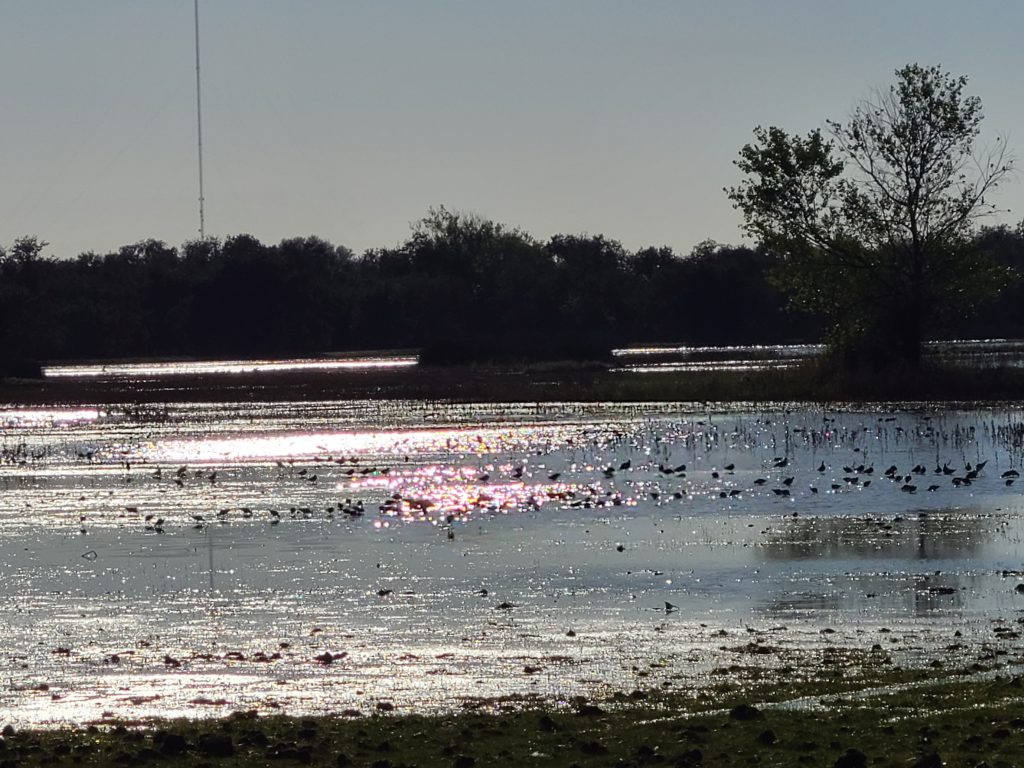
(199, 127)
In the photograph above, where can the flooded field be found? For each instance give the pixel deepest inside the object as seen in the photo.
(194, 559)
(669, 359)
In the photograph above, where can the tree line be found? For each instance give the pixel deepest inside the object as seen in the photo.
(459, 288)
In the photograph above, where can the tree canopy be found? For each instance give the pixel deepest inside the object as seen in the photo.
(874, 222)
(461, 287)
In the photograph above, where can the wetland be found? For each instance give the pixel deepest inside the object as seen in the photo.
(308, 558)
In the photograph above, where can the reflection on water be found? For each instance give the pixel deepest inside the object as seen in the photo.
(218, 367)
(910, 536)
(443, 547)
(668, 359)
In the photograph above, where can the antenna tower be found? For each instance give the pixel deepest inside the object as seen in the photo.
(199, 128)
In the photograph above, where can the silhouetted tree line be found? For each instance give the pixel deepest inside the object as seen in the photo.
(460, 287)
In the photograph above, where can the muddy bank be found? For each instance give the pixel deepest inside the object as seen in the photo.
(945, 721)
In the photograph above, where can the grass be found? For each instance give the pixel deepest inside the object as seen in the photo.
(946, 721)
(546, 383)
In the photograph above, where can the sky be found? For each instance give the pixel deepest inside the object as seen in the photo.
(349, 119)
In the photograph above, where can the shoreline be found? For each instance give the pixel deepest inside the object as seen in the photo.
(537, 383)
(888, 718)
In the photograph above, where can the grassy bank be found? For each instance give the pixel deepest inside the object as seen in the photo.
(941, 722)
(542, 383)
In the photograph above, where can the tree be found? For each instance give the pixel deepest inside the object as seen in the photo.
(873, 226)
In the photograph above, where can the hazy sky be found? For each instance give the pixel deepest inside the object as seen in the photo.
(349, 118)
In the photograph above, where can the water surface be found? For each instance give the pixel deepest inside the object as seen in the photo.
(308, 557)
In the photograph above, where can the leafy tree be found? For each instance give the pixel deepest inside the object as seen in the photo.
(873, 226)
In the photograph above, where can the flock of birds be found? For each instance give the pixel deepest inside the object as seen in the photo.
(611, 485)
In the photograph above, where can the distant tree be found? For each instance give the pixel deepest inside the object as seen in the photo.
(873, 228)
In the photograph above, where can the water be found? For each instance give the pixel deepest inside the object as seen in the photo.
(151, 370)
(193, 559)
(668, 359)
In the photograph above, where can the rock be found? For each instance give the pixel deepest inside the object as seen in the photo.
(343, 761)
(853, 758)
(464, 761)
(8, 731)
(216, 745)
(744, 712)
(929, 760)
(589, 710)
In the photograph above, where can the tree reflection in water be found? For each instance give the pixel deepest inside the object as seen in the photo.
(906, 542)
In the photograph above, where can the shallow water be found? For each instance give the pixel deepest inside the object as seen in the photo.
(194, 559)
(986, 353)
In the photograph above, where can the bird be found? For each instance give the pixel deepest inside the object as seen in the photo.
(821, 467)
(729, 467)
